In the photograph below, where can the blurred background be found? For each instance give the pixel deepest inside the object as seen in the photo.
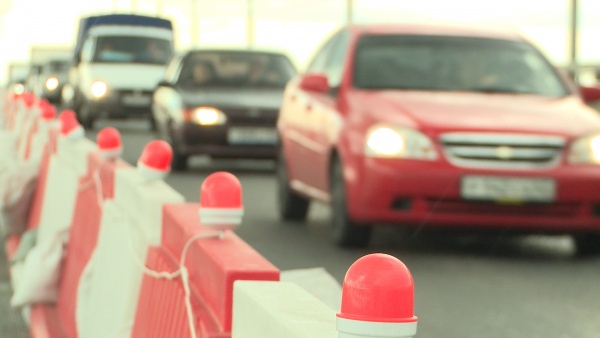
(298, 26)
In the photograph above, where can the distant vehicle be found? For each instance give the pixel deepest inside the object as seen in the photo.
(53, 76)
(222, 103)
(118, 60)
(440, 126)
(41, 74)
(17, 76)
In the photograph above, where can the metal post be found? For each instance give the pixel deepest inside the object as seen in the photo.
(349, 11)
(250, 23)
(574, 36)
(194, 23)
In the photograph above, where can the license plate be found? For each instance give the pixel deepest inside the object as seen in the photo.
(508, 189)
(136, 100)
(252, 136)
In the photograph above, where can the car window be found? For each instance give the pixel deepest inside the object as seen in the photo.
(319, 61)
(173, 69)
(453, 64)
(130, 49)
(236, 69)
(334, 66)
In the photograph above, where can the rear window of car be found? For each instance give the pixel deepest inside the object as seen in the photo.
(234, 69)
(448, 63)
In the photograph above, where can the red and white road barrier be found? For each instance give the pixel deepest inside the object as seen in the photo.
(140, 262)
(131, 222)
(377, 302)
(209, 259)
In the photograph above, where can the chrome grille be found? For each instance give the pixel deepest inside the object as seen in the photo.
(514, 151)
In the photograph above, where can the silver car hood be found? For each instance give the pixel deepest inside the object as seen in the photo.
(233, 97)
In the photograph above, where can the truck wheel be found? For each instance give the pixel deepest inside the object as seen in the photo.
(345, 232)
(587, 244)
(291, 206)
(86, 117)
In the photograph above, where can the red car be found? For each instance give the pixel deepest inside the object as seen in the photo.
(440, 126)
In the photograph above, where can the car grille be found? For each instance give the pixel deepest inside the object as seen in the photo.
(251, 117)
(514, 151)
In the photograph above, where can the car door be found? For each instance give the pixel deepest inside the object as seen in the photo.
(327, 119)
(303, 112)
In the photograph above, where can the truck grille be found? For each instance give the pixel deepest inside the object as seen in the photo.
(511, 151)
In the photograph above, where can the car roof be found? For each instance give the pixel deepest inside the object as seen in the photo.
(236, 50)
(437, 29)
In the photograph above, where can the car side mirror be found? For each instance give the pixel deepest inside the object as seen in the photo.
(589, 94)
(316, 82)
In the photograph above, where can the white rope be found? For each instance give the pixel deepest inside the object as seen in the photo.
(181, 272)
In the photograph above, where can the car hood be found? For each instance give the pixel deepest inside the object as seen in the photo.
(451, 111)
(233, 97)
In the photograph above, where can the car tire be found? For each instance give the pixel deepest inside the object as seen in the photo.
(291, 206)
(587, 244)
(180, 160)
(85, 117)
(345, 232)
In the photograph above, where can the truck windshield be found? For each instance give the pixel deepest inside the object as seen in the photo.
(132, 49)
(446, 63)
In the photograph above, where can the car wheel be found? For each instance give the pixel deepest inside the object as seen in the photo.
(180, 160)
(345, 232)
(86, 118)
(587, 244)
(291, 206)
(152, 122)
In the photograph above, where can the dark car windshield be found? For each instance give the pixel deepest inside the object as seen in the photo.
(444, 63)
(235, 69)
(130, 49)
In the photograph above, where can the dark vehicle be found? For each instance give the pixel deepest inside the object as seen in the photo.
(221, 103)
(53, 75)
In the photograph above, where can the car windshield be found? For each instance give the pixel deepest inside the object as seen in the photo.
(443, 63)
(235, 69)
(130, 49)
(56, 67)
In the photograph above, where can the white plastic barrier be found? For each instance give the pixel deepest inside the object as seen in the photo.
(279, 309)
(377, 302)
(110, 285)
(36, 279)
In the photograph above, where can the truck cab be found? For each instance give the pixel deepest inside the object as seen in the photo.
(119, 59)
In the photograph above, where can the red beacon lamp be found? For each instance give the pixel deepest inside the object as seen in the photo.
(377, 299)
(221, 202)
(70, 128)
(48, 112)
(155, 162)
(109, 143)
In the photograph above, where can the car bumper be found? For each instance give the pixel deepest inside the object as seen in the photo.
(260, 141)
(118, 104)
(420, 193)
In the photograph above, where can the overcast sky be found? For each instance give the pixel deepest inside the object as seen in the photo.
(297, 26)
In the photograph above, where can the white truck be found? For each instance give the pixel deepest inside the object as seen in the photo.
(118, 61)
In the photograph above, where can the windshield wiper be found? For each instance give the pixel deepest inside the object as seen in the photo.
(494, 90)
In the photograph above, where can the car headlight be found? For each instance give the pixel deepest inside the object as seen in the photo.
(398, 142)
(19, 89)
(208, 116)
(99, 89)
(585, 150)
(51, 83)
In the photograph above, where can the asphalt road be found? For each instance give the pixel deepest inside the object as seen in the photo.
(465, 286)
